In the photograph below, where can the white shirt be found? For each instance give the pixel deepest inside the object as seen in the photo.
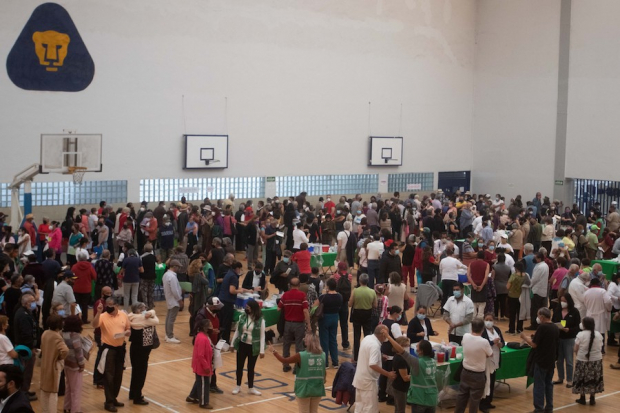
(598, 306)
(576, 288)
(439, 247)
(172, 289)
(540, 279)
(92, 221)
(510, 262)
(369, 355)
(256, 279)
(342, 238)
(492, 336)
(475, 352)
(374, 250)
(449, 268)
(477, 225)
(614, 293)
(583, 341)
(458, 309)
(299, 236)
(5, 347)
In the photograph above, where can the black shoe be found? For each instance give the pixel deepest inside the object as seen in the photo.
(286, 369)
(216, 390)
(141, 402)
(346, 346)
(558, 382)
(581, 400)
(32, 397)
(382, 399)
(592, 401)
(110, 407)
(118, 404)
(191, 400)
(531, 328)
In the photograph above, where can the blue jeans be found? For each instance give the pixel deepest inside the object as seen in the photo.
(543, 388)
(565, 353)
(328, 330)
(373, 272)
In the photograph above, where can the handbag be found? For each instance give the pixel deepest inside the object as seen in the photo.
(156, 342)
(318, 313)
(87, 346)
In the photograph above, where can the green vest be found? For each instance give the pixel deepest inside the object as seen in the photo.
(310, 379)
(423, 387)
(255, 333)
(364, 297)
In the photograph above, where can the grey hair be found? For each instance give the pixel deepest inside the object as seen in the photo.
(82, 256)
(29, 278)
(528, 247)
(347, 226)
(25, 297)
(363, 279)
(116, 299)
(132, 253)
(545, 312)
(543, 250)
(136, 307)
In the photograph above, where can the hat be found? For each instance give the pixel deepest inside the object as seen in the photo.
(206, 208)
(487, 196)
(389, 243)
(174, 263)
(380, 288)
(29, 216)
(504, 235)
(342, 266)
(144, 203)
(27, 253)
(214, 301)
(426, 230)
(68, 274)
(594, 228)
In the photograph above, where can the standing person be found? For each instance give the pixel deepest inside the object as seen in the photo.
(143, 331)
(374, 251)
(310, 379)
(249, 342)
(74, 242)
(544, 344)
(387, 355)
(362, 302)
(449, 269)
(476, 350)
(83, 284)
(228, 296)
(368, 371)
(210, 312)
(26, 334)
(174, 299)
(478, 275)
(397, 294)
(105, 274)
(390, 262)
(202, 365)
(493, 334)
(501, 274)
(400, 386)
(539, 286)
(130, 274)
(115, 327)
(589, 367)
(568, 318)
(296, 320)
(53, 352)
(7, 352)
(328, 325)
(343, 287)
(598, 305)
(458, 314)
(74, 364)
(148, 276)
(97, 375)
(13, 400)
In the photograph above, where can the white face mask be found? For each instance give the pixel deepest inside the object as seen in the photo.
(564, 304)
(488, 324)
(538, 320)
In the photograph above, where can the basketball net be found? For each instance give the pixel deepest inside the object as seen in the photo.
(78, 173)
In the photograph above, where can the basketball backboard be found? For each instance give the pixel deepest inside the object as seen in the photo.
(386, 151)
(206, 151)
(61, 151)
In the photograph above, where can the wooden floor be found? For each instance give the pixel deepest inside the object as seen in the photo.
(170, 379)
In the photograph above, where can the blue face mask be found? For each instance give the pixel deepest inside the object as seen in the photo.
(396, 252)
(33, 306)
(285, 259)
(61, 313)
(421, 316)
(359, 212)
(491, 248)
(399, 317)
(457, 294)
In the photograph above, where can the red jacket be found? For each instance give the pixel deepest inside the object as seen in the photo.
(85, 274)
(202, 359)
(303, 258)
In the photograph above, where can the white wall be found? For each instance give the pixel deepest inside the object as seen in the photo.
(298, 76)
(515, 96)
(594, 87)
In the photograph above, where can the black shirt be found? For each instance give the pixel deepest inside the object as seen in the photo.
(408, 254)
(148, 263)
(397, 364)
(546, 340)
(573, 318)
(217, 257)
(331, 303)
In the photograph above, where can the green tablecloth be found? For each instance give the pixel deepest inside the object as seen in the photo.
(467, 288)
(513, 365)
(271, 315)
(609, 267)
(160, 269)
(329, 258)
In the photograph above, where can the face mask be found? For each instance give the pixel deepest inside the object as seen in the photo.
(144, 313)
(581, 326)
(109, 309)
(538, 320)
(396, 252)
(61, 313)
(488, 324)
(399, 317)
(285, 259)
(33, 306)
(359, 212)
(329, 199)
(421, 316)
(491, 248)
(338, 212)
(142, 209)
(457, 294)
(564, 304)
(4, 393)
(105, 297)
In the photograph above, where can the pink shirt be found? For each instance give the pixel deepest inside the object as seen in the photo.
(557, 277)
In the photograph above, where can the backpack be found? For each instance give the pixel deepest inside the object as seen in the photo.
(350, 247)
(343, 286)
(65, 228)
(94, 236)
(217, 231)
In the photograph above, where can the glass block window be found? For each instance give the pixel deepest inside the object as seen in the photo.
(197, 189)
(399, 182)
(68, 193)
(316, 185)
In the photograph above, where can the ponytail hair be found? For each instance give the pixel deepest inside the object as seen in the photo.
(588, 324)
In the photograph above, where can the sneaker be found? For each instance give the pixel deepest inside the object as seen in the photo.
(206, 406)
(216, 390)
(236, 390)
(191, 400)
(335, 366)
(173, 340)
(255, 392)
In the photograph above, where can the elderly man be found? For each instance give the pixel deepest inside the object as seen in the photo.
(26, 334)
(577, 289)
(573, 270)
(174, 299)
(368, 371)
(296, 319)
(539, 287)
(544, 344)
(598, 305)
(458, 314)
(467, 219)
(63, 293)
(115, 327)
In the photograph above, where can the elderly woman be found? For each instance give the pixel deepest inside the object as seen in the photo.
(200, 287)
(74, 364)
(53, 352)
(143, 331)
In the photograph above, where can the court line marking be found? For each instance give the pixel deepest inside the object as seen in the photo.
(257, 402)
(155, 402)
(577, 404)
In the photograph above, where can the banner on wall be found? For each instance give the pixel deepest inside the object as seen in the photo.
(49, 54)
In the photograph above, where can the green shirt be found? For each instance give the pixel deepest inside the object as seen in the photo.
(310, 379)
(515, 281)
(423, 386)
(364, 298)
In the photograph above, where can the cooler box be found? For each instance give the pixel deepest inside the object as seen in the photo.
(463, 278)
(311, 249)
(325, 248)
(242, 300)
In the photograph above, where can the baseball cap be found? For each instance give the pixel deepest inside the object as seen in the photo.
(388, 243)
(504, 235)
(214, 301)
(68, 274)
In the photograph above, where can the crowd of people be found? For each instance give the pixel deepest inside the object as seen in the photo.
(485, 260)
